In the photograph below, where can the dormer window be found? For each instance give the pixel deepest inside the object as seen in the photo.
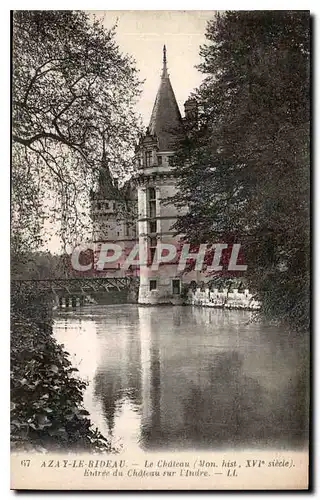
(148, 158)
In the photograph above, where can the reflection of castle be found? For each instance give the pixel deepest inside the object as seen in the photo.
(138, 211)
(214, 396)
(160, 385)
(117, 381)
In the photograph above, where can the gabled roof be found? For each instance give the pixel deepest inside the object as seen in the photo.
(165, 120)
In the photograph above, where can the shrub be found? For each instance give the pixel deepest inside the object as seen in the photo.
(46, 397)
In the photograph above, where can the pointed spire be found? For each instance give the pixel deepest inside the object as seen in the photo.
(165, 118)
(164, 68)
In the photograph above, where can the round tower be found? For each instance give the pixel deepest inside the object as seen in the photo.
(156, 183)
(113, 215)
(104, 204)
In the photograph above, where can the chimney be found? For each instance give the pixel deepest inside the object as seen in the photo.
(191, 110)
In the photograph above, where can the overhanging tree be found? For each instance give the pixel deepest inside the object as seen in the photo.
(73, 97)
(243, 167)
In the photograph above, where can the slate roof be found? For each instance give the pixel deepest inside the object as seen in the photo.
(165, 122)
(106, 188)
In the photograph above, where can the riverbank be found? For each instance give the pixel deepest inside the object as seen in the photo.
(47, 411)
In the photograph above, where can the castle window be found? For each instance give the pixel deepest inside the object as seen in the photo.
(152, 202)
(98, 206)
(170, 160)
(152, 193)
(153, 226)
(176, 287)
(152, 254)
(153, 242)
(107, 204)
(152, 285)
(148, 157)
(159, 160)
(152, 208)
(152, 248)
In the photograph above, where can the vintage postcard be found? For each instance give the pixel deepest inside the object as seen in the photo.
(160, 250)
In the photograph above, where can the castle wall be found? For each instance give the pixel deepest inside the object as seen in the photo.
(167, 280)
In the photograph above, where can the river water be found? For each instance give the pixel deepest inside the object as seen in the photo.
(186, 377)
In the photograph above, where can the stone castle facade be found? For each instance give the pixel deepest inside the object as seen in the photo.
(140, 211)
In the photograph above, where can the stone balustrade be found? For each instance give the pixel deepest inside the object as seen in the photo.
(233, 299)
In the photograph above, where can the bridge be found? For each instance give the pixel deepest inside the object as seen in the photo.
(74, 291)
(78, 285)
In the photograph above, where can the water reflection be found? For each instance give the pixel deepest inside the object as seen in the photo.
(185, 377)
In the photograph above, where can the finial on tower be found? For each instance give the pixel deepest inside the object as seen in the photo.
(164, 69)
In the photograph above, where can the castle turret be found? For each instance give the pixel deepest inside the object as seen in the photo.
(156, 183)
(104, 205)
(141, 208)
(113, 214)
(165, 122)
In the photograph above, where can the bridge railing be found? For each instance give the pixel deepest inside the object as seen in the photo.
(77, 285)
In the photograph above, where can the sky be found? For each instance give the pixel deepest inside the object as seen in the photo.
(142, 34)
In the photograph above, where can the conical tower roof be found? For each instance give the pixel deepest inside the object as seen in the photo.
(165, 122)
(106, 188)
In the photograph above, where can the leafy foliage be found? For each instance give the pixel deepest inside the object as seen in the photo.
(73, 108)
(38, 265)
(46, 396)
(243, 167)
